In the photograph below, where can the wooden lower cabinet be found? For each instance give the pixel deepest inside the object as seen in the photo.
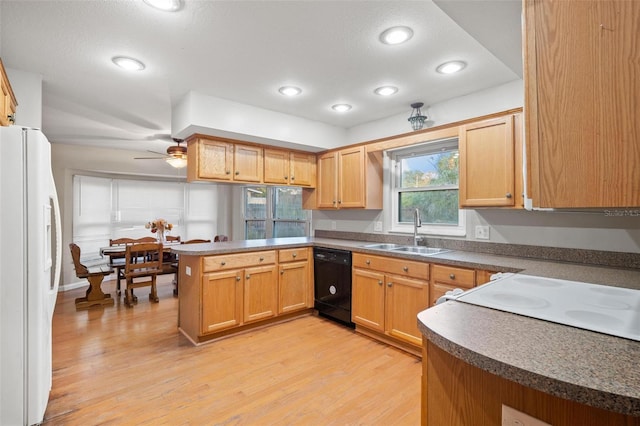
(295, 282)
(221, 301)
(445, 278)
(388, 303)
(260, 293)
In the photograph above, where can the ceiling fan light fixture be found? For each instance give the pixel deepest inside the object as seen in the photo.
(341, 107)
(417, 119)
(396, 35)
(177, 162)
(386, 90)
(451, 67)
(129, 64)
(290, 90)
(165, 5)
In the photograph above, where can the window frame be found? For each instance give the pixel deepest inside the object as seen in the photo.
(426, 148)
(270, 219)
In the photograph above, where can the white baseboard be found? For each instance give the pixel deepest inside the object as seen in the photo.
(73, 286)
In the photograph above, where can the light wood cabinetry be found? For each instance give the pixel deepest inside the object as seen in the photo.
(284, 167)
(387, 294)
(295, 283)
(491, 163)
(226, 160)
(349, 178)
(221, 301)
(8, 101)
(582, 65)
(445, 278)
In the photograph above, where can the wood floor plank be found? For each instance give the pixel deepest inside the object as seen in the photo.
(118, 365)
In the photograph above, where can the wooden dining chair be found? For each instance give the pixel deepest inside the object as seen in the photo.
(195, 241)
(173, 239)
(143, 262)
(94, 274)
(220, 238)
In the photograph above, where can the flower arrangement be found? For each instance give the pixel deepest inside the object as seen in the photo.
(159, 225)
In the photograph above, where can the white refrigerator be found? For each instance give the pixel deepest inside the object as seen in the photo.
(30, 260)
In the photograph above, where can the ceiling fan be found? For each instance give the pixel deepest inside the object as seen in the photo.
(176, 155)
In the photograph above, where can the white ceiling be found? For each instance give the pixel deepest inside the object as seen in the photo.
(244, 51)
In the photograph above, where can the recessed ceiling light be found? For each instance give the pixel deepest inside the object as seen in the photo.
(129, 64)
(166, 5)
(451, 67)
(386, 90)
(396, 35)
(341, 107)
(290, 90)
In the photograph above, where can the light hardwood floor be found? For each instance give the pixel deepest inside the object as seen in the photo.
(117, 365)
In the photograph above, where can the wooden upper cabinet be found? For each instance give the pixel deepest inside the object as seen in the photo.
(582, 67)
(289, 167)
(488, 164)
(302, 169)
(8, 101)
(349, 178)
(209, 159)
(247, 163)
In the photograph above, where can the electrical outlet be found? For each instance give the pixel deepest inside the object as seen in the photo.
(333, 225)
(377, 227)
(482, 232)
(513, 417)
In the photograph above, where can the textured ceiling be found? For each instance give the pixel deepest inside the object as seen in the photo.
(243, 51)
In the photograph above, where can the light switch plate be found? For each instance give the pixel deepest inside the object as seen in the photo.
(482, 232)
(513, 417)
(187, 270)
(377, 227)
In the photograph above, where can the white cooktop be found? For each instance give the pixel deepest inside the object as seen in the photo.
(605, 309)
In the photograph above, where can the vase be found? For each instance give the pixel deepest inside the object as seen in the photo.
(160, 235)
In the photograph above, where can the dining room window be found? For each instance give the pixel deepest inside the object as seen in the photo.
(274, 212)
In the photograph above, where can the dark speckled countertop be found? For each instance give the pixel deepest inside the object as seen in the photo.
(588, 367)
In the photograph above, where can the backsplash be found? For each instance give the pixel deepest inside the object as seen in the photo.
(588, 257)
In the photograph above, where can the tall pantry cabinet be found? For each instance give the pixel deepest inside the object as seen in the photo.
(582, 85)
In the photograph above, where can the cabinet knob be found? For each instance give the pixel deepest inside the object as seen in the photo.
(508, 195)
(285, 178)
(237, 172)
(334, 202)
(282, 272)
(389, 284)
(368, 262)
(261, 259)
(294, 255)
(379, 282)
(452, 276)
(12, 118)
(405, 268)
(339, 201)
(227, 172)
(293, 178)
(248, 276)
(223, 263)
(238, 278)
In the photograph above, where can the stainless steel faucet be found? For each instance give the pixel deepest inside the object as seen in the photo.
(417, 223)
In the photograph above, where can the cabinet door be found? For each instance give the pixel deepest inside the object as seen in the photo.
(368, 293)
(248, 163)
(487, 163)
(276, 166)
(581, 123)
(327, 181)
(405, 298)
(351, 182)
(221, 301)
(438, 290)
(260, 293)
(295, 286)
(215, 159)
(303, 169)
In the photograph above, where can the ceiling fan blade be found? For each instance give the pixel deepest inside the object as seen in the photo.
(149, 158)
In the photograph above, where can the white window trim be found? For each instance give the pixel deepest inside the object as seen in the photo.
(447, 230)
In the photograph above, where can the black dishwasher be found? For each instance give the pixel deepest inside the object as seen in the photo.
(332, 283)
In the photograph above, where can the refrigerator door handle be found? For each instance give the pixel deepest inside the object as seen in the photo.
(53, 196)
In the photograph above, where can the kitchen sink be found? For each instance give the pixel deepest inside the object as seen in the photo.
(382, 246)
(426, 251)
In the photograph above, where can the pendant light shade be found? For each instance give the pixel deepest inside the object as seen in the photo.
(417, 119)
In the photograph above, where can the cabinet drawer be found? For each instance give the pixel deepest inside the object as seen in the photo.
(289, 255)
(407, 268)
(238, 260)
(457, 277)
